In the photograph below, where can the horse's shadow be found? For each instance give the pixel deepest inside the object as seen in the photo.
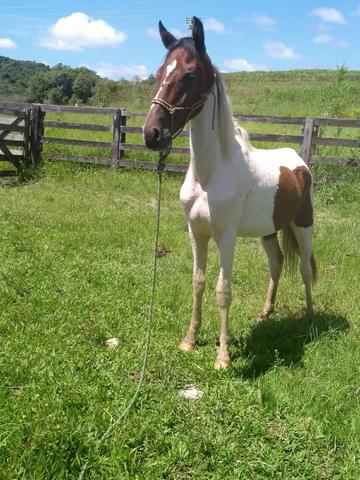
(276, 342)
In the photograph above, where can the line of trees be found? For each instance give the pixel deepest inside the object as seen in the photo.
(62, 85)
(26, 81)
(37, 82)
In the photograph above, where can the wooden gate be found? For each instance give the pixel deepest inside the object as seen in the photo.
(20, 138)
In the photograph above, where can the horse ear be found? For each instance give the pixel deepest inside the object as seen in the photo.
(198, 35)
(166, 37)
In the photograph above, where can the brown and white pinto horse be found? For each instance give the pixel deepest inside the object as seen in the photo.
(231, 188)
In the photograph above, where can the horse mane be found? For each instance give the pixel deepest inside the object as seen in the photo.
(244, 136)
(229, 131)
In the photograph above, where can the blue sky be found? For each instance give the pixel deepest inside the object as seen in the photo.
(119, 38)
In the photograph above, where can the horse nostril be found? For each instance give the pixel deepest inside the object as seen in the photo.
(152, 137)
(155, 134)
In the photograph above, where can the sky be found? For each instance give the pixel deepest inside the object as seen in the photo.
(119, 39)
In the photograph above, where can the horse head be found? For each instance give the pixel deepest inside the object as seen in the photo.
(184, 81)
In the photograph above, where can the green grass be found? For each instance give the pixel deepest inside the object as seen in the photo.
(75, 269)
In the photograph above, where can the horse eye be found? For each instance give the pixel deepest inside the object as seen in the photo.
(189, 76)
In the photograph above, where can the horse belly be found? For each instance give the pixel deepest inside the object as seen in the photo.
(257, 214)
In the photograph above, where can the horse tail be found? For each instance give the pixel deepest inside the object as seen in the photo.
(290, 248)
(314, 268)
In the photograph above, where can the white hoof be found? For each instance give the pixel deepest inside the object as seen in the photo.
(186, 346)
(222, 364)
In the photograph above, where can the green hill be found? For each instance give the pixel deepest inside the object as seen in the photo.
(15, 76)
(26, 81)
(334, 93)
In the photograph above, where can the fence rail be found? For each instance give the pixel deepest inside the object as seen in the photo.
(309, 138)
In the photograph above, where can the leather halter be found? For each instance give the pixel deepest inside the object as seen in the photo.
(172, 109)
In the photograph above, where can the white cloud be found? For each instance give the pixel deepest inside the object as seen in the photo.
(78, 30)
(330, 15)
(322, 38)
(357, 11)
(280, 50)
(264, 22)
(236, 64)
(115, 72)
(7, 43)
(214, 25)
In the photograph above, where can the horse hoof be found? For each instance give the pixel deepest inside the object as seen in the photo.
(265, 314)
(261, 318)
(222, 364)
(186, 347)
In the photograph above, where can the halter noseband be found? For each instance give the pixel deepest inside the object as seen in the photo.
(174, 108)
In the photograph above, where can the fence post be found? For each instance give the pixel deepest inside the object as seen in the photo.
(40, 134)
(115, 139)
(27, 134)
(123, 134)
(306, 146)
(36, 130)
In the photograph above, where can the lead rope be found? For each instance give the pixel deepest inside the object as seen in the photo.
(124, 414)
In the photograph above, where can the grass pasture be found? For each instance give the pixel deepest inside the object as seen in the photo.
(75, 270)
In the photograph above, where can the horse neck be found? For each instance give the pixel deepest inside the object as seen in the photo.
(212, 135)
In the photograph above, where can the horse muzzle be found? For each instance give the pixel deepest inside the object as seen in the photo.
(155, 138)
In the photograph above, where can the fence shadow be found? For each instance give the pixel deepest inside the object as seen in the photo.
(282, 341)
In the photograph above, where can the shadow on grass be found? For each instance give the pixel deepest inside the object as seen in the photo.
(282, 341)
(25, 177)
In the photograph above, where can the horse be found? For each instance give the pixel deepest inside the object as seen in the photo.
(231, 188)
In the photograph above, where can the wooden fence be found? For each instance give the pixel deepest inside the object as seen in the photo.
(21, 131)
(309, 137)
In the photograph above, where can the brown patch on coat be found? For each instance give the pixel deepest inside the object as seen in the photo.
(292, 198)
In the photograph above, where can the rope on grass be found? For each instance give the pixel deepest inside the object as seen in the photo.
(124, 414)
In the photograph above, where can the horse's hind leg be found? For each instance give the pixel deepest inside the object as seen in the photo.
(200, 248)
(303, 237)
(275, 261)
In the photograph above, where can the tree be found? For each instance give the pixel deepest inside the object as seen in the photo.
(84, 85)
(39, 85)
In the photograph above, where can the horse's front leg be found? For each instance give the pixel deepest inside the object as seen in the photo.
(226, 244)
(200, 249)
